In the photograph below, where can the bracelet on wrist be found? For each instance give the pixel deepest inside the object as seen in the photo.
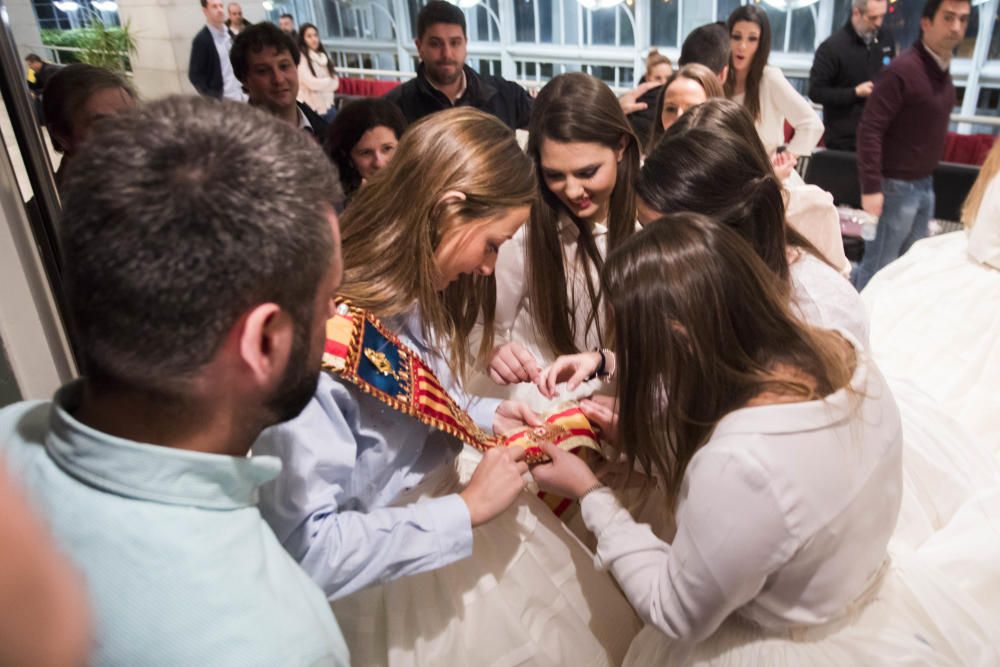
(595, 487)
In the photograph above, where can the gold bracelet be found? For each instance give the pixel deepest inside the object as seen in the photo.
(595, 487)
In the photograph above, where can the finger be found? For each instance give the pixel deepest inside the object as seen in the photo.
(515, 452)
(527, 362)
(646, 86)
(522, 467)
(552, 451)
(579, 375)
(496, 376)
(529, 416)
(504, 370)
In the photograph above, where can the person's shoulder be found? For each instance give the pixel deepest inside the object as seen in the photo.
(202, 35)
(25, 420)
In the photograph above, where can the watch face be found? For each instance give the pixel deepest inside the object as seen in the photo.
(885, 60)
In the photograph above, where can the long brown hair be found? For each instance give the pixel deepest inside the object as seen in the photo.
(701, 75)
(574, 107)
(305, 50)
(970, 208)
(751, 98)
(722, 327)
(712, 162)
(395, 223)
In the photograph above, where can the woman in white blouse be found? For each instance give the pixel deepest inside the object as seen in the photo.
(586, 160)
(766, 93)
(317, 77)
(780, 451)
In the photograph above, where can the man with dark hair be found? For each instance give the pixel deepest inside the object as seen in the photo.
(707, 45)
(287, 24)
(845, 66)
(902, 133)
(41, 71)
(266, 61)
(209, 70)
(198, 284)
(444, 80)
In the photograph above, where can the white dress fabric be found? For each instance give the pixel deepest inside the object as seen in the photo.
(935, 318)
(779, 102)
(781, 554)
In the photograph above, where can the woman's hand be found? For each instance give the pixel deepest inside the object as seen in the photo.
(784, 164)
(511, 363)
(630, 103)
(602, 411)
(569, 368)
(513, 416)
(567, 475)
(495, 483)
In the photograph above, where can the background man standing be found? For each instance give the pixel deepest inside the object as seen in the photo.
(444, 80)
(844, 68)
(209, 69)
(902, 133)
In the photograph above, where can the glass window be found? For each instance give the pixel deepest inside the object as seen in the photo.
(602, 26)
(524, 20)
(725, 7)
(802, 37)
(663, 22)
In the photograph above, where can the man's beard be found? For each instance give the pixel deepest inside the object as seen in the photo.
(436, 77)
(299, 381)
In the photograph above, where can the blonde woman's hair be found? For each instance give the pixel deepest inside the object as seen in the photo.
(970, 209)
(396, 221)
(655, 58)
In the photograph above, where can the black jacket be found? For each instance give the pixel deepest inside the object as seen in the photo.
(204, 68)
(504, 99)
(319, 126)
(841, 63)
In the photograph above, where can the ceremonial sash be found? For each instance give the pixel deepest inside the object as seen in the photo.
(361, 350)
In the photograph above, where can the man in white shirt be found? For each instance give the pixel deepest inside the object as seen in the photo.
(209, 69)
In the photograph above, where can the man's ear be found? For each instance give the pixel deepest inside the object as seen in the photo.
(265, 341)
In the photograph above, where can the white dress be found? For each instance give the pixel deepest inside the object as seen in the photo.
(779, 102)
(781, 554)
(935, 315)
(824, 298)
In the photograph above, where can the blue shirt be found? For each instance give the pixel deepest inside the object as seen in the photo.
(348, 461)
(179, 566)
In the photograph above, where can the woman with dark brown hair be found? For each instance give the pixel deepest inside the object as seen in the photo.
(586, 159)
(766, 93)
(808, 208)
(780, 451)
(718, 171)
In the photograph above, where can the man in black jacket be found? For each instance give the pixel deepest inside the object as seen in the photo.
(444, 80)
(209, 70)
(845, 66)
(266, 61)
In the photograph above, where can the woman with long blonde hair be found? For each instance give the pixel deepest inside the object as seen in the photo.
(422, 568)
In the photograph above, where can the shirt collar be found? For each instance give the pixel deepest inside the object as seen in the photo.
(942, 63)
(151, 472)
(461, 91)
(221, 33)
(567, 228)
(304, 123)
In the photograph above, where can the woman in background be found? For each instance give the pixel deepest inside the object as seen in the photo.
(362, 139)
(686, 88)
(766, 93)
(317, 77)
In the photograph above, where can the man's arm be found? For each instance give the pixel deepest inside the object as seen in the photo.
(822, 76)
(199, 67)
(880, 110)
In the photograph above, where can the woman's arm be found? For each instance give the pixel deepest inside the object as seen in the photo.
(796, 110)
